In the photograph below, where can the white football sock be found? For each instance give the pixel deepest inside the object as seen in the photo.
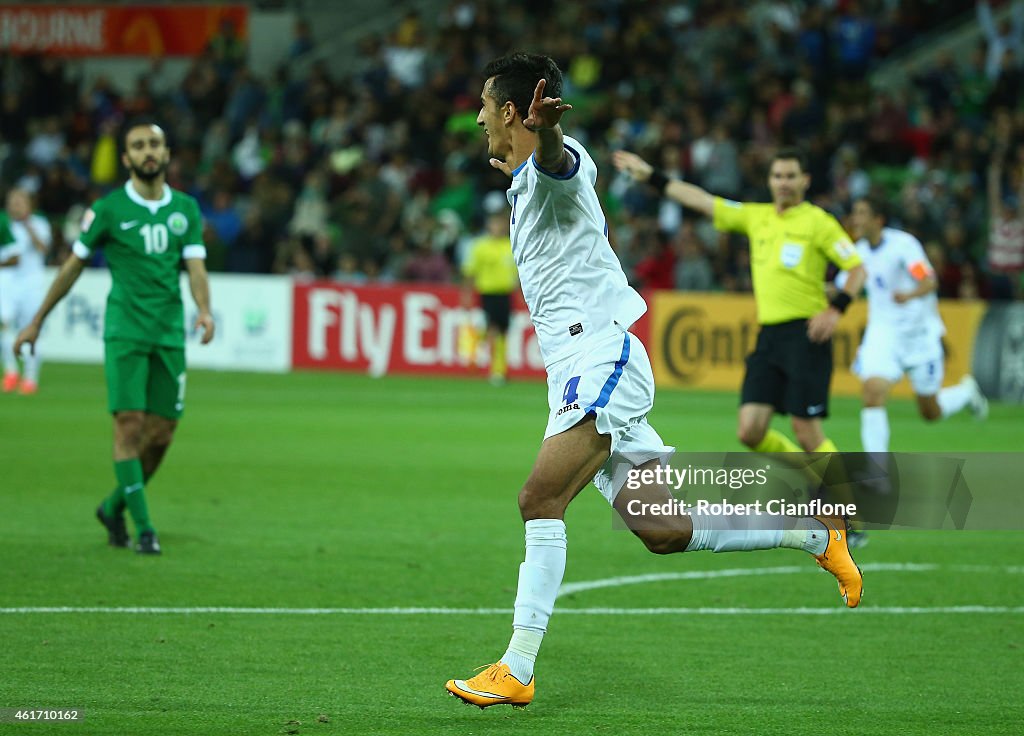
(539, 579)
(874, 429)
(954, 398)
(734, 532)
(30, 371)
(7, 346)
(810, 535)
(522, 653)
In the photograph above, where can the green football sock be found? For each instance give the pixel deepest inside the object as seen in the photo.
(133, 488)
(114, 503)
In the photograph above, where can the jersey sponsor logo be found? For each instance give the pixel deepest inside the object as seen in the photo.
(576, 329)
(815, 409)
(568, 407)
(129, 225)
(791, 254)
(177, 223)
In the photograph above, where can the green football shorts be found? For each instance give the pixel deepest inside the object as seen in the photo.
(149, 378)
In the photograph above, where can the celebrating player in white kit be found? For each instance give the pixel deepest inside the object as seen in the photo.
(904, 332)
(600, 384)
(22, 285)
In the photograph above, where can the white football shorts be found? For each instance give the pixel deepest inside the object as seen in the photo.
(612, 380)
(888, 354)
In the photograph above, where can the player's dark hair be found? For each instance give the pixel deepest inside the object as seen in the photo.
(790, 153)
(879, 206)
(140, 121)
(516, 76)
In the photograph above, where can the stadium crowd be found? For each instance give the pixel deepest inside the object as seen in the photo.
(376, 172)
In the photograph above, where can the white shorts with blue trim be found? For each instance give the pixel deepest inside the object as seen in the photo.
(887, 354)
(612, 380)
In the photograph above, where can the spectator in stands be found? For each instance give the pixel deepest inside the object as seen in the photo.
(255, 249)
(302, 39)
(427, 265)
(224, 218)
(47, 142)
(1008, 36)
(227, 50)
(693, 269)
(854, 34)
(656, 270)
(371, 129)
(1006, 228)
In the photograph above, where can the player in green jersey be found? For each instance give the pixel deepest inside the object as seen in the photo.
(145, 230)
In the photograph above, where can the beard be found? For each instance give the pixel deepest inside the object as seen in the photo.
(151, 173)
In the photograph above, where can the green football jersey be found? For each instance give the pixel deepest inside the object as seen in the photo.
(6, 236)
(143, 242)
(8, 246)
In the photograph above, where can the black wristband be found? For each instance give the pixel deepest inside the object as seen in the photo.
(841, 301)
(658, 180)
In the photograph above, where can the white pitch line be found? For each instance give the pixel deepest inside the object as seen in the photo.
(885, 610)
(616, 582)
(570, 588)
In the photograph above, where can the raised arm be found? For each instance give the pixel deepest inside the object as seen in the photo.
(40, 240)
(199, 283)
(925, 286)
(543, 118)
(688, 195)
(61, 285)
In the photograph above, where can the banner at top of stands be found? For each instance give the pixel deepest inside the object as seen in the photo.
(116, 30)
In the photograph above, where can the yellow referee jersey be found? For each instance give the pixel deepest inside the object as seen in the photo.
(491, 265)
(789, 254)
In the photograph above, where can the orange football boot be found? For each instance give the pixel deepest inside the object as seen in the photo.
(837, 560)
(496, 685)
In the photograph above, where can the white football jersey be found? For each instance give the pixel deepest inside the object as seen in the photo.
(897, 265)
(30, 271)
(571, 278)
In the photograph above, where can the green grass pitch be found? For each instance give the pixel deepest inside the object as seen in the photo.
(338, 491)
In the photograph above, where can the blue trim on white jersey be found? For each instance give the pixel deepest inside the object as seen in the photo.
(562, 177)
(609, 385)
(518, 169)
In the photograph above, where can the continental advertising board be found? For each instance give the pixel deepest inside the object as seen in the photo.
(702, 340)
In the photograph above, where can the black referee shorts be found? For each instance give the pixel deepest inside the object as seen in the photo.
(498, 309)
(789, 371)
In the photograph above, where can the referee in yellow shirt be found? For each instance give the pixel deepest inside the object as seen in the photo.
(490, 269)
(791, 243)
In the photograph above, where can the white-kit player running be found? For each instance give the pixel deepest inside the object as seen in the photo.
(600, 384)
(22, 286)
(904, 332)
